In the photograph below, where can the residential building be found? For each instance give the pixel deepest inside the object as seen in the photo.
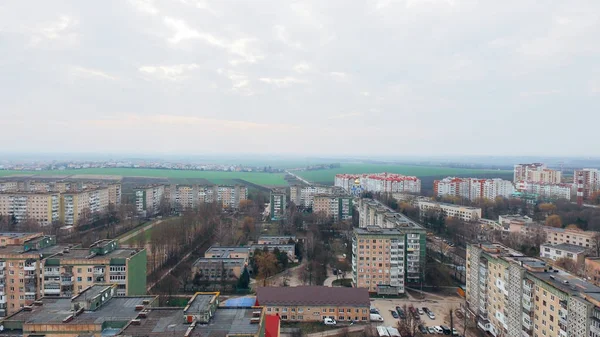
(537, 173)
(303, 195)
(230, 196)
(114, 194)
(11, 239)
(473, 188)
(509, 294)
(148, 199)
(190, 196)
(388, 250)
(42, 207)
(81, 207)
(507, 219)
(592, 269)
(378, 182)
(94, 312)
(274, 239)
(464, 213)
(201, 317)
(336, 206)
(315, 303)
(563, 250)
(578, 237)
(290, 249)
(72, 270)
(590, 178)
(277, 205)
(8, 186)
(545, 190)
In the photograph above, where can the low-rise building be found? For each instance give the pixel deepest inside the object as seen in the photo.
(276, 239)
(42, 207)
(213, 270)
(464, 213)
(290, 250)
(227, 252)
(563, 250)
(315, 303)
(336, 206)
(94, 312)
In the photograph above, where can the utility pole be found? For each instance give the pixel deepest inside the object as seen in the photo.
(451, 322)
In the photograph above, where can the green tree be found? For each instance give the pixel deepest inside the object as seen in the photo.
(244, 280)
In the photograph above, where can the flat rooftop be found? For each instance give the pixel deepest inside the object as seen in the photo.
(224, 251)
(50, 250)
(12, 235)
(55, 310)
(276, 237)
(200, 302)
(377, 230)
(567, 247)
(84, 253)
(568, 283)
(167, 321)
(91, 292)
(225, 261)
(313, 296)
(449, 205)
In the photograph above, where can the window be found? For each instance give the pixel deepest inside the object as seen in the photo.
(268, 309)
(89, 279)
(340, 318)
(79, 270)
(341, 310)
(363, 318)
(300, 317)
(79, 279)
(89, 270)
(293, 309)
(331, 310)
(284, 310)
(300, 310)
(283, 317)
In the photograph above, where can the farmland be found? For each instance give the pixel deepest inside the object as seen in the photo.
(216, 177)
(327, 176)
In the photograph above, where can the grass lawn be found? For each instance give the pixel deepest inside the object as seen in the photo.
(259, 178)
(328, 176)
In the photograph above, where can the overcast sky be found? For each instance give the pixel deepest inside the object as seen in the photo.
(429, 77)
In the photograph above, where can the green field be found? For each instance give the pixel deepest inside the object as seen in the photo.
(216, 177)
(328, 176)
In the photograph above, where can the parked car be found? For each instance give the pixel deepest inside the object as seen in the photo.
(374, 311)
(426, 310)
(421, 312)
(376, 318)
(431, 315)
(422, 328)
(438, 329)
(394, 314)
(430, 330)
(454, 332)
(446, 330)
(414, 312)
(329, 321)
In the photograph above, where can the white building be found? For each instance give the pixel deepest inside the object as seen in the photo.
(555, 191)
(591, 180)
(379, 182)
(563, 250)
(463, 213)
(304, 195)
(536, 172)
(473, 188)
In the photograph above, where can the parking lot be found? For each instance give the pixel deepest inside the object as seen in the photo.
(440, 307)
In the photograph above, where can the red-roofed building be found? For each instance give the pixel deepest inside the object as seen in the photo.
(272, 325)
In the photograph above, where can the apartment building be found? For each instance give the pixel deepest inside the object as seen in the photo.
(96, 311)
(509, 294)
(72, 270)
(303, 195)
(315, 303)
(537, 173)
(388, 250)
(43, 207)
(545, 190)
(8, 186)
(464, 213)
(81, 207)
(277, 205)
(578, 237)
(590, 178)
(190, 196)
(379, 182)
(230, 196)
(338, 207)
(473, 188)
(147, 199)
(563, 250)
(114, 194)
(592, 269)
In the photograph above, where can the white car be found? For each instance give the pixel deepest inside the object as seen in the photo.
(329, 321)
(438, 329)
(376, 318)
(431, 315)
(421, 312)
(430, 330)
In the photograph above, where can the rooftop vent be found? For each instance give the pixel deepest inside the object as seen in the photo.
(552, 277)
(146, 302)
(139, 307)
(142, 314)
(38, 303)
(27, 308)
(135, 322)
(68, 319)
(255, 320)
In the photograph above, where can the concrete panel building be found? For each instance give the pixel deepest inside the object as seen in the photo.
(147, 199)
(537, 173)
(563, 250)
(42, 207)
(336, 206)
(277, 205)
(82, 207)
(464, 213)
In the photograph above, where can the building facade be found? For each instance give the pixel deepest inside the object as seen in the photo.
(388, 250)
(303, 195)
(545, 190)
(42, 207)
(148, 199)
(563, 250)
(509, 294)
(464, 213)
(315, 303)
(338, 207)
(536, 173)
(379, 182)
(591, 180)
(473, 188)
(277, 205)
(81, 207)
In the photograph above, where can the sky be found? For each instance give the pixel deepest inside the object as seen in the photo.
(335, 77)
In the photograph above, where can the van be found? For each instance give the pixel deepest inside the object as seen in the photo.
(376, 318)
(329, 321)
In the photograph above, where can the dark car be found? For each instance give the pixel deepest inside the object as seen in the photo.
(426, 309)
(401, 313)
(423, 329)
(374, 311)
(414, 312)
(446, 329)
(394, 314)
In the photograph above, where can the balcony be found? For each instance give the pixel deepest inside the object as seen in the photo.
(52, 291)
(30, 267)
(54, 272)
(66, 281)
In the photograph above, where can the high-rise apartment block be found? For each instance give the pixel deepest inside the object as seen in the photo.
(184, 197)
(277, 205)
(590, 178)
(32, 265)
(388, 249)
(537, 173)
(335, 206)
(148, 198)
(379, 182)
(545, 190)
(509, 294)
(43, 207)
(473, 188)
(81, 206)
(303, 195)
(464, 213)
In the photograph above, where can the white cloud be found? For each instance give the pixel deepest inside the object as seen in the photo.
(239, 81)
(281, 82)
(92, 73)
(302, 67)
(59, 31)
(347, 115)
(283, 36)
(339, 75)
(171, 72)
(144, 6)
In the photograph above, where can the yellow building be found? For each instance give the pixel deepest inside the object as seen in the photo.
(43, 207)
(80, 207)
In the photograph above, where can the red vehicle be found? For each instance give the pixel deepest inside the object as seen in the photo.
(414, 312)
